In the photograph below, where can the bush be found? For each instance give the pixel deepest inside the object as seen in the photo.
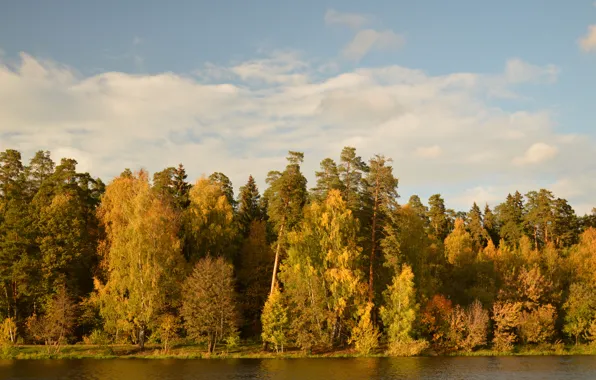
(365, 336)
(97, 337)
(412, 348)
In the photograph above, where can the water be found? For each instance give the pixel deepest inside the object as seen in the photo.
(493, 368)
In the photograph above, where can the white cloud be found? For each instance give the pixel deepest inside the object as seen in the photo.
(137, 40)
(588, 42)
(518, 71)
(237, 121)
(428, 151)
(352, 20)
(368, 39)
(537, 153)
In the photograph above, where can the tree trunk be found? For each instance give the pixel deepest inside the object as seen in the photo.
(374, 246)
(276, 263)
(142, 338)
(211, 345)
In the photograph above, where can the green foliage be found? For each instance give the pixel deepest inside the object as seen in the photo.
(580, 310)
(275, 321)
(115, 257)
(400, 308)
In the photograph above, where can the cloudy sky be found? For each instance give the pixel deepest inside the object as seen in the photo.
(472, 99)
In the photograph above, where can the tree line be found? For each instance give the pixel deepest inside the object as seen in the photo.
(342, 264)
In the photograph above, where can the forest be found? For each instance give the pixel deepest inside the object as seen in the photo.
(341, 264)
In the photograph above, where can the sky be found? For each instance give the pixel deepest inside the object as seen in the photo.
(471, 99)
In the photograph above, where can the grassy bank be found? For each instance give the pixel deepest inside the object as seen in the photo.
(251, 351)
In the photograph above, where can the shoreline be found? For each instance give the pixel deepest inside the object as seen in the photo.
(155, 352)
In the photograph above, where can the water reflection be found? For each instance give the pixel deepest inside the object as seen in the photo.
(493, 368)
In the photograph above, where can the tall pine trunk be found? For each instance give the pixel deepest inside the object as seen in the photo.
(276, 262)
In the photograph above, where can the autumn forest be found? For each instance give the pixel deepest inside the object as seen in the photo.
(343, 264)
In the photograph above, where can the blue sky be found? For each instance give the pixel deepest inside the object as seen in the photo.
(472, 99)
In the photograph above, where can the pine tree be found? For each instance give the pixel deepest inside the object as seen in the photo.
(40, 168)
(327, 179)
(249, 207)
(351, 171)
(476, 228)
(285, 197)
(510, 216)
(224, 182)
(382, 187)
(439, 221)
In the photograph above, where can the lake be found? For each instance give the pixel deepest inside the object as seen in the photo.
(493, 368)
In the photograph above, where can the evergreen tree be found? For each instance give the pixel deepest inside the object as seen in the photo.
(382, 187)
(476, 228)
(351, 171)
(510, 216)
(439, 220)
(490, 225)
(249, 207)
(226, 186)
(327, 179)
(285, 197)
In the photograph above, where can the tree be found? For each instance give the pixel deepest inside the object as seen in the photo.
(168, 330)
(539, 216)
(249, 207)
(538, 325)
(57, 324)
(365, 335)
(208, 303)
(327, 179)
(506, 317)
(580, 309)
(382, 187)
(210, 227)
(400, 308)
(286, 196)
(275, 321)
(351, 170)
(66, 244)
(19, 272)
(458, 245)
(321, 279)
(439, 220)
(224, 182)
(40, 168)
(490, 225)
(476, 323)
(141, 253)
(510, 216)
(436, 321)
(475, 226)
(255, 264)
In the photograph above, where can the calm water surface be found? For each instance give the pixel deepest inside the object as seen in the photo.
(510, 368)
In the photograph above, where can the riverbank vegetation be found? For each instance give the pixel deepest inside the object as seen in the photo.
(343, 268)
